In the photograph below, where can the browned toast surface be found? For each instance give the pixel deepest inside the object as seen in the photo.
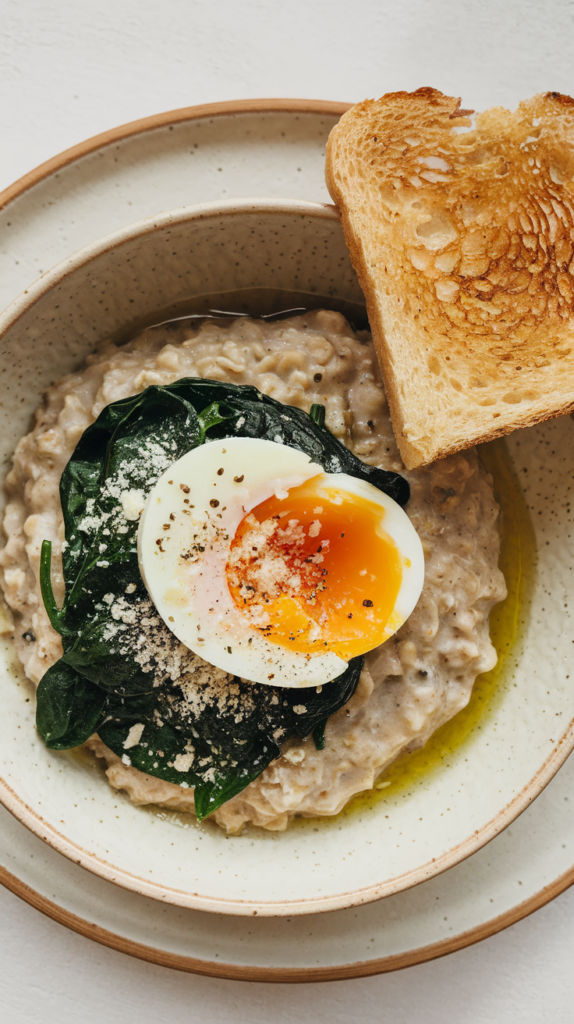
(462, 238)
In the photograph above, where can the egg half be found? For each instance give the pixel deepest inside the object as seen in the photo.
(272, 569)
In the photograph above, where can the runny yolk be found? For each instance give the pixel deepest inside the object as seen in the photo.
(315, 571)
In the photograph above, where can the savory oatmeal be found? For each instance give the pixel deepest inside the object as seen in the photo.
(410, 685)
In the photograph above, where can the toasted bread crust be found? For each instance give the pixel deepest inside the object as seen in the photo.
(463, 244)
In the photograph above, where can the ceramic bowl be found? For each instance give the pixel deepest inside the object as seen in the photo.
(471, 782)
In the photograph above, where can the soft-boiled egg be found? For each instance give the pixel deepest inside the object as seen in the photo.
(272, 569)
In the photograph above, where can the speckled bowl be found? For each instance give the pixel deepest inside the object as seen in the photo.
(264, 253)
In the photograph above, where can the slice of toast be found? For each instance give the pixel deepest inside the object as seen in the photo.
(462, 239)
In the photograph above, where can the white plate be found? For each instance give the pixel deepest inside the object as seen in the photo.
(309, 143)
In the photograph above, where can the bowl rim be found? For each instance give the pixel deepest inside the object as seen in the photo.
(97, 865)
(147, 225)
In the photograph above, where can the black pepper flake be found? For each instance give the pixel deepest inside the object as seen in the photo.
(350, 615)
(29, 636)
(214, 503)
(239, 479)
(229, 651)
(367, 603)
(318, 377)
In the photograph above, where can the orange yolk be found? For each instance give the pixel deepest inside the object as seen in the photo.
(316, 572)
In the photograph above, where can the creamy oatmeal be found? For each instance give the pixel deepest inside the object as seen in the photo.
(409, 686)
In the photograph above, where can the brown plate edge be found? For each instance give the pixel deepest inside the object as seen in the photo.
(284, 975)
(373, 893)
(148, 953)
(169, 117)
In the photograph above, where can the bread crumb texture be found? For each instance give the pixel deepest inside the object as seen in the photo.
(410, 686)
(461, 231)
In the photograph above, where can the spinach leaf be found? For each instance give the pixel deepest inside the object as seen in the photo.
(121, 666)
(221, 754)
(319, 735)
(230, 753)
(69, 707)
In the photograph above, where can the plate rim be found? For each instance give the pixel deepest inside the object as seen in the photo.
(285, 975)
(169, 117)
(108, 938)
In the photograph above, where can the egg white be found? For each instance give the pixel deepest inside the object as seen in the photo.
(222, 481)
(193, 596)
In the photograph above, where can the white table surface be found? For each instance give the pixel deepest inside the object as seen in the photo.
(72, 68)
